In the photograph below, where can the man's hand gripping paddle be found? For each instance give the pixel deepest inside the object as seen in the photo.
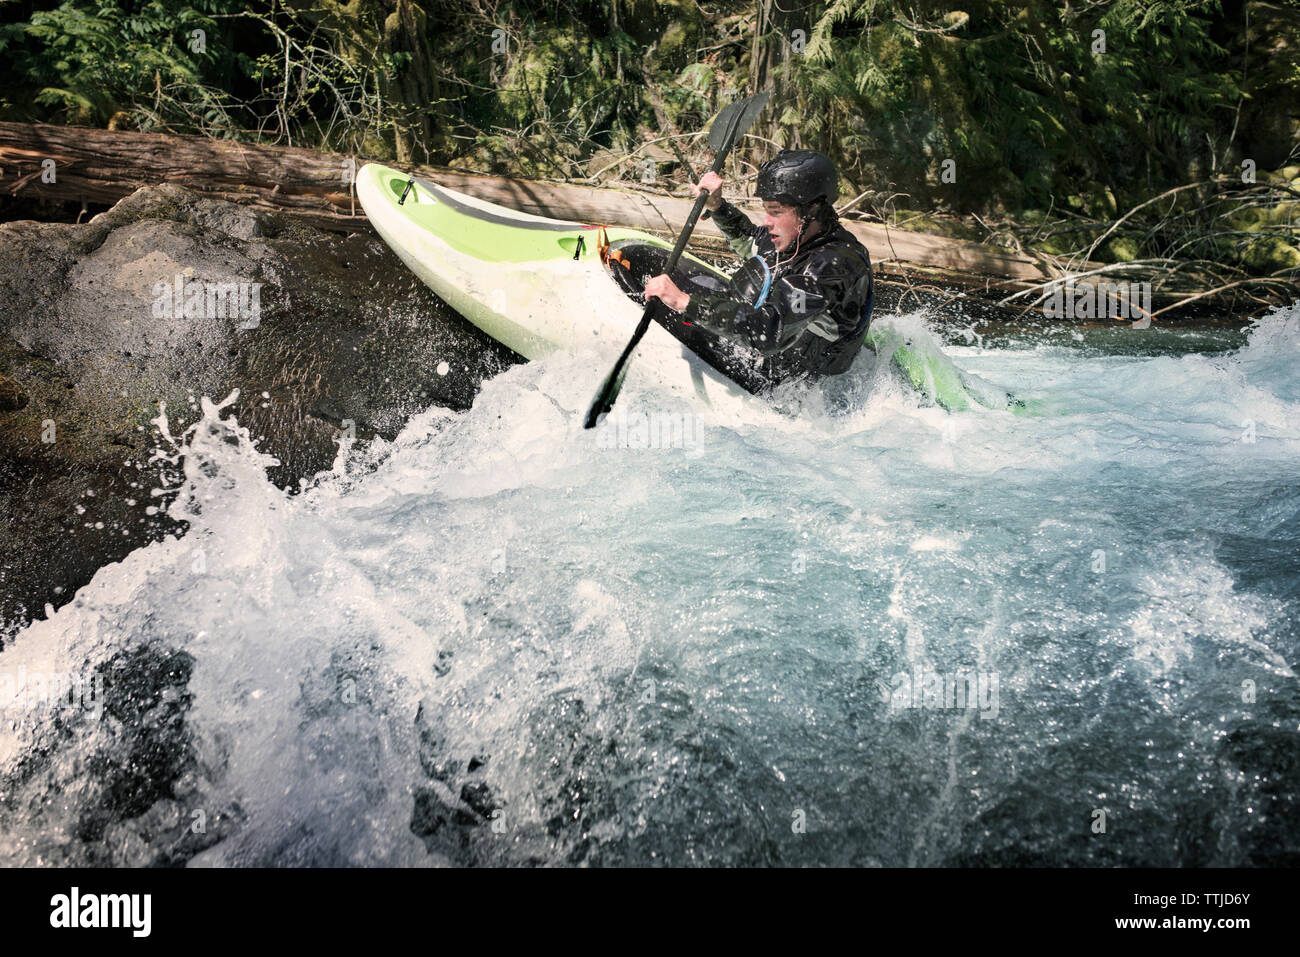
(726, 129)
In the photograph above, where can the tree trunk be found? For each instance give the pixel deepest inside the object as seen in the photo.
(415, 91)
(769, 62)
(103, 166)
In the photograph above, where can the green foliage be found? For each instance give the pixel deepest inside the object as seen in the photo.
(1017, 93)
(87, 61)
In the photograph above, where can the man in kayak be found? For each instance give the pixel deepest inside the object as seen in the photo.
(803, 299)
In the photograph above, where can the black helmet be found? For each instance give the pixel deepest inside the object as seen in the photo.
(798, 177)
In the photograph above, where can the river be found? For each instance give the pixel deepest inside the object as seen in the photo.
(853, 631)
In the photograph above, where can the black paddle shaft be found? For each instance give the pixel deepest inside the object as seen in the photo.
(744, 110)
(614, 381)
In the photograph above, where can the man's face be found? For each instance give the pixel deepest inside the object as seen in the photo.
(782, 223)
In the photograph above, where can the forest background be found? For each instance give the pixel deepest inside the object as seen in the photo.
(1146, 132)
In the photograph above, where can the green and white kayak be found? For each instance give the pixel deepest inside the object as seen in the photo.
(539, 285)
(534, 284)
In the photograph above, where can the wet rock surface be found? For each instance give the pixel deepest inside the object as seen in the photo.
(100, 326)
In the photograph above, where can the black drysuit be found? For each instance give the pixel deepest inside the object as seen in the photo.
(812, 315)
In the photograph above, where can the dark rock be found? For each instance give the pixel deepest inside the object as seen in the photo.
(133, 796)
(146, 692)
(91, 342)
(12, 398)
(479, 797)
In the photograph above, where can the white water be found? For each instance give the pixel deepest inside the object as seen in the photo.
(686, 655)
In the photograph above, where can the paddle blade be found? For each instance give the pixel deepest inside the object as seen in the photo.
(605, 399)
(613, 384)
(742, 113)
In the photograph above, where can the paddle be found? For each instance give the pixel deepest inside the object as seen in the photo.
(727, 126)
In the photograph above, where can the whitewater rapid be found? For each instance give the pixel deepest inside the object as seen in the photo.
(500, 638)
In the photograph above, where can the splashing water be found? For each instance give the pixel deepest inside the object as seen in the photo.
(867, 633)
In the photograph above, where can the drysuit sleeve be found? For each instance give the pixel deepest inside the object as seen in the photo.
(744, 237)
(795, 305)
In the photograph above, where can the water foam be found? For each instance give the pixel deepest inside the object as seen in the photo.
(492, 640)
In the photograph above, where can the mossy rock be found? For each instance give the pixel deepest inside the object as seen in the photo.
(1056, 245)
(1093, 200)
(1283, 214)
(373, 145)
(1270, 254)
(1252, 218)
(1100, 201)
(1119, 249)
(1247, 218)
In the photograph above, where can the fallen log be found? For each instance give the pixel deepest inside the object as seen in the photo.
(103, 166)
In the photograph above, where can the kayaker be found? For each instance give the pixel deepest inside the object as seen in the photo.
(803, 298)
